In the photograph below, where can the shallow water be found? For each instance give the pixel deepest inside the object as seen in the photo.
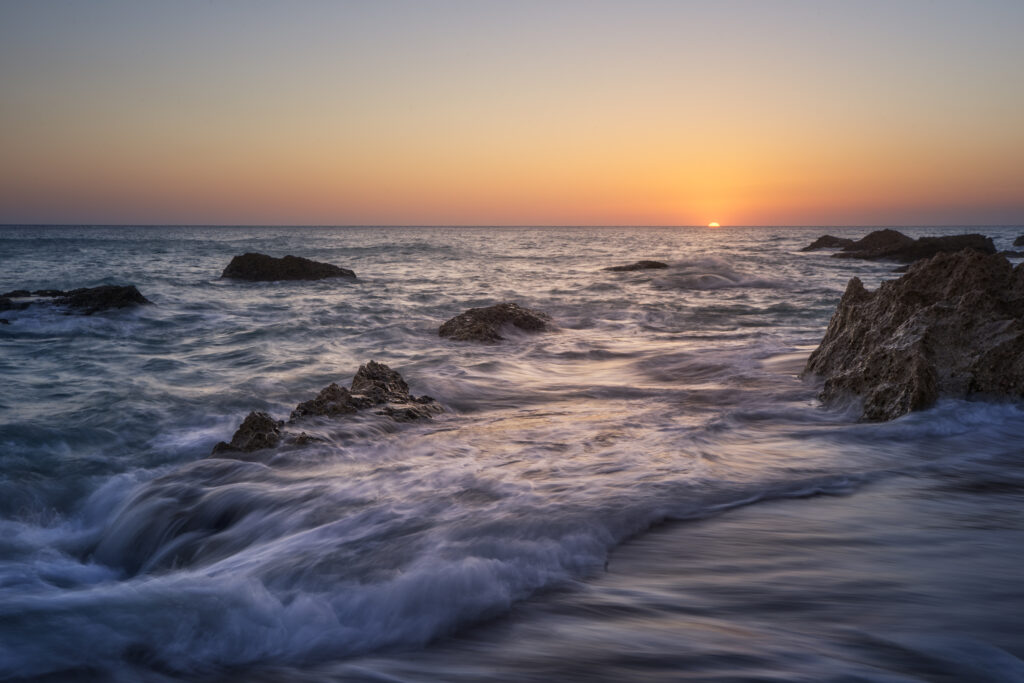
(511, 537)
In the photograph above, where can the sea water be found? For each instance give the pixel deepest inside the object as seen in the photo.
(649, 491)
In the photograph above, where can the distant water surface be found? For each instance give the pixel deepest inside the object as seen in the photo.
(648, 493)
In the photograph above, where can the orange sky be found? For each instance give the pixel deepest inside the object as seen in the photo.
(523, 113)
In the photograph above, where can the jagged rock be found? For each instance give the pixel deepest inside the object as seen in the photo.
(263, 268)
(828, 242)
(257, 431)
(85, 300)
(953, 326)
(639, 265)
(332, 401)
(895, 246)
(89, 300)
(484, 324)
(1010, 253)
(1019, 242)
(375, 385)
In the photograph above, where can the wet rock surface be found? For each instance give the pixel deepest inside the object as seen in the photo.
(85, 300)
(952, 326)
(484, 324)
(893, 245)
(639, 265)
(375, 386)
(1019, 242)
(263, 268)
(828, 242)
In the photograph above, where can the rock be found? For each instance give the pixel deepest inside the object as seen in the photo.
(257, 431)
(89, 300)
(953, 326)
(85, 300)
(263, 268)
(895, 246)
(1009, 253)
(1019, 242)
(828, 242)
(17, 294)
(639, 265)
(484, 324)
(375, 385)
(4, 321)
(332, 401)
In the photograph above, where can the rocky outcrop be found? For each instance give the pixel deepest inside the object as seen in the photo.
(828, 242)
(893, 245)
(639, 265)
(85, 300)
(1019, 242)
(375, 386)
(953, 326)
(263, 268)
(484, 324)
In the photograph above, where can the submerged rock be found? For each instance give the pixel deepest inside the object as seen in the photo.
(895, 246)
(1019, 242)
(375, 385)
(484, 324)
(953, 326)
(639, 265)
(263, 268)
(85, 300)
(828, 242)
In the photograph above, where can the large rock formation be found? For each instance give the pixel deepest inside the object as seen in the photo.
(1019, 242)
(375, 385)
(828, 242)
(484, 324)
(85, 300)
(639, 265)
(953, 326)
(893, 245)
(263, 268)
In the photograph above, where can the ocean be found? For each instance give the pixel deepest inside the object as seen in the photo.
(649, 492)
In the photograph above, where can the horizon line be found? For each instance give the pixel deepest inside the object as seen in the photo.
(506, 225)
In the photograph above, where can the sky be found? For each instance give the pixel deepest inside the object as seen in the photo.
(557, 112)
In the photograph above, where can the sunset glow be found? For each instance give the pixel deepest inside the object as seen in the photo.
(516, 113)
(713, 224)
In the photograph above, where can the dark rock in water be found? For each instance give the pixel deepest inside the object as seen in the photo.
(953, 326)
(85, 300)
(332, 401)
(257, 431)
(483, 324)
(639, 265)
(1019, 242)
(828, 242)
(8, 305)
(901, 269)
(895, 246)
(1009, 253)
(4, 321)
(263, 268)
(375, 385)
(17, 293)
(89, 300)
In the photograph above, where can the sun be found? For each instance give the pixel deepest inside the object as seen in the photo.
(713, 224)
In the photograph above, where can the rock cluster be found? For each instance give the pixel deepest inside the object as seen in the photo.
(375, 385)
(1019, 242)
(484, 324)
(893, 245)
(828, 242)
(639, 265)
(85, 300)
(263, 268)
(952, 326)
